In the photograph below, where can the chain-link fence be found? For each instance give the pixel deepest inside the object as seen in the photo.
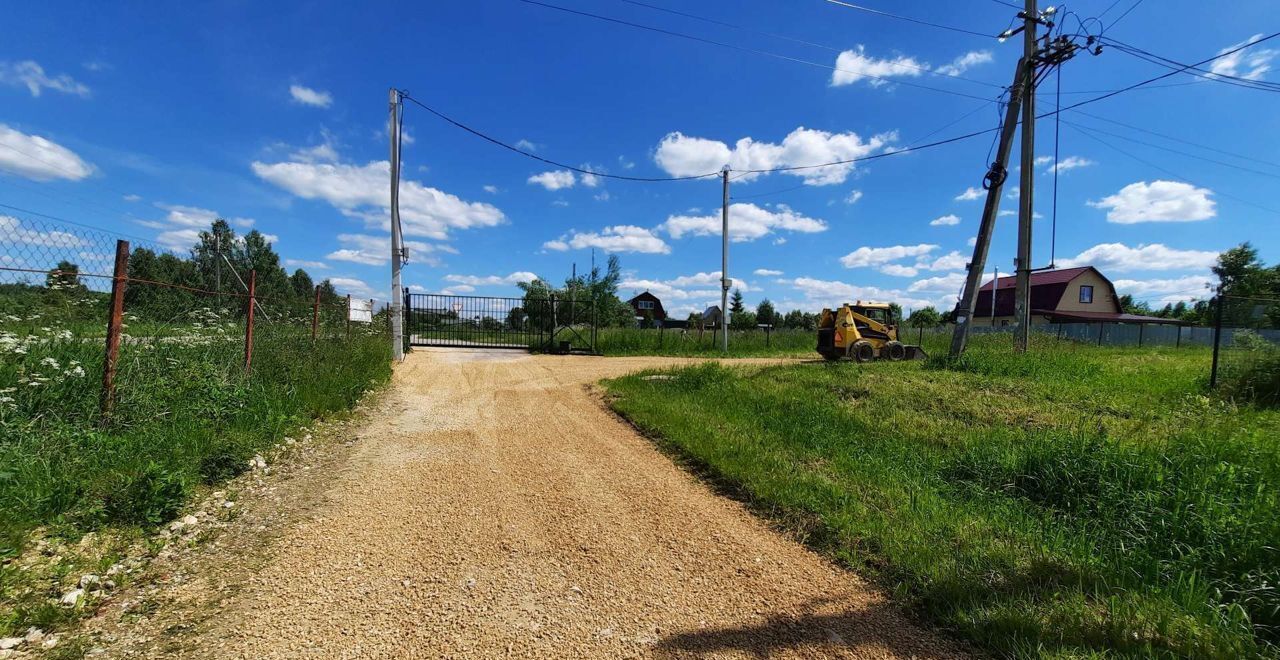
(89, 320)
(1246, 351)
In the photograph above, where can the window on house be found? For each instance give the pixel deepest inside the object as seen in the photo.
(644, 304)
(1086, 294)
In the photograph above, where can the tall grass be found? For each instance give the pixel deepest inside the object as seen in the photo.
(187, 414)
(672, 342)
(1077, 501)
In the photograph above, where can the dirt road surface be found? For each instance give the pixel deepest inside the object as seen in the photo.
(494, 508)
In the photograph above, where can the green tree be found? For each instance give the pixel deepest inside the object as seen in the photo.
(301, 284)
(164, 303)
(896, 310)
(925, 317)
(207, 255)
(765, 313)
(65, 276)
(736, 306)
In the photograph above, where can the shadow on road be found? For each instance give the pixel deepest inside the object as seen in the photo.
(872, 630)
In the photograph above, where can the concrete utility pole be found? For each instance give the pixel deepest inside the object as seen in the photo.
(397, 250)
(1026, 196)
(994, 183)
(725, 282)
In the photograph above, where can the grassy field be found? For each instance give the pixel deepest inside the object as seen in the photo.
(751, 343)
(1076, 502)
(187, 416)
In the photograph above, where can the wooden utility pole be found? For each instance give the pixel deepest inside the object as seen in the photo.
(725, 282)
(994, 183)
(1026, 185)
(397, 250)
(315, 314)
(248, 325)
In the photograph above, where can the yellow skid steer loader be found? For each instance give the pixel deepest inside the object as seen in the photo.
(863, 332)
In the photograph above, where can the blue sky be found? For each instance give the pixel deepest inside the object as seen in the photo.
(148, 119)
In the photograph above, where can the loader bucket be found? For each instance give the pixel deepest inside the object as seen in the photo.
(915, 353)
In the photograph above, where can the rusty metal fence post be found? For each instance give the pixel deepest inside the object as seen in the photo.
(347, 314)
(248, 327)
(315, 313)
(1217, 339)
(115, 321)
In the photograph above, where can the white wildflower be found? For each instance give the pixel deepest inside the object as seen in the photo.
(51, 363)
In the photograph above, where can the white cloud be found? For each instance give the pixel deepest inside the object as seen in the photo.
(271, 238)
(491, 280)
(1119, 258)
(875, 256)
(949, 283)
(360, 191)
(38, 158)
(1159, 201)
(491, 189)
(826, 293)
(767, 272)
(12, 231)
(626, 164)
(303, 263)
(945, 221)
(455, 290)
(972, 241)
(1068, 163)
(689, 292)
(1250, 63)
(178, 239)
(320, 153)
(132, 198)
(376, 250)
(619, 238)
(356, 287)
(1169, 290)
(951, 261)
(899, 270)
(1006, 213)
(681, 155)
(31, 75)
(602, 196)
(855, 65)
(559, 202)
(526, 145)
(970, 194)
(554, 179)
(312, 97)
(853, 197)
(747, 222)
(965, 62)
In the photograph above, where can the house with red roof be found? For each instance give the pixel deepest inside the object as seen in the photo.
(1065, 295)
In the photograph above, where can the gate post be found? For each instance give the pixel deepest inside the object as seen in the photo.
(1217, 340)
(114, 321)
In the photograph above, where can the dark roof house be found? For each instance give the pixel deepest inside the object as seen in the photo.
(647, 302)
(1065, 295)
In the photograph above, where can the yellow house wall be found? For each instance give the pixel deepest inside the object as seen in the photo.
(1103, 301)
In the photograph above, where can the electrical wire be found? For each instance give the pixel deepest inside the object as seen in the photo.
(548, 161)
(1273, 175)
(783, 37)
(1088, 133)
(1192, 70)
(1160, 77)
(1126, 13)
(1176, 139)
(1057, 132)
(747, 49)
(900, 17)
(77, 224)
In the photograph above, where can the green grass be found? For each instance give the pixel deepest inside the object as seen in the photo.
(1076, 502)
(687, 343)
(187, 415)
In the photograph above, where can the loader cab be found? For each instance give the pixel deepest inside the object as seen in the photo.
(875, 313)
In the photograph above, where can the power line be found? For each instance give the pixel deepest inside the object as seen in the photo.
(746, 49)
(885, 154)
(1088, 133)
(73, 222)
(1192, 70)
(1126, 13)
(909, 19)
(1160, 77)
(1176, 139)
(784, 37)
(1176, 151)
(548, 161)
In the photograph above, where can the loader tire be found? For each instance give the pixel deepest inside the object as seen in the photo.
(894, 350)
(862, 351)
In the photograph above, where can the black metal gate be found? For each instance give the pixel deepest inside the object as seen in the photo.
(559, 324)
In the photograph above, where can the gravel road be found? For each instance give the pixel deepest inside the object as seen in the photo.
(494, 508)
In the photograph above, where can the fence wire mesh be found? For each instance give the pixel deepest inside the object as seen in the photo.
(1247, 359)
(186, 315)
